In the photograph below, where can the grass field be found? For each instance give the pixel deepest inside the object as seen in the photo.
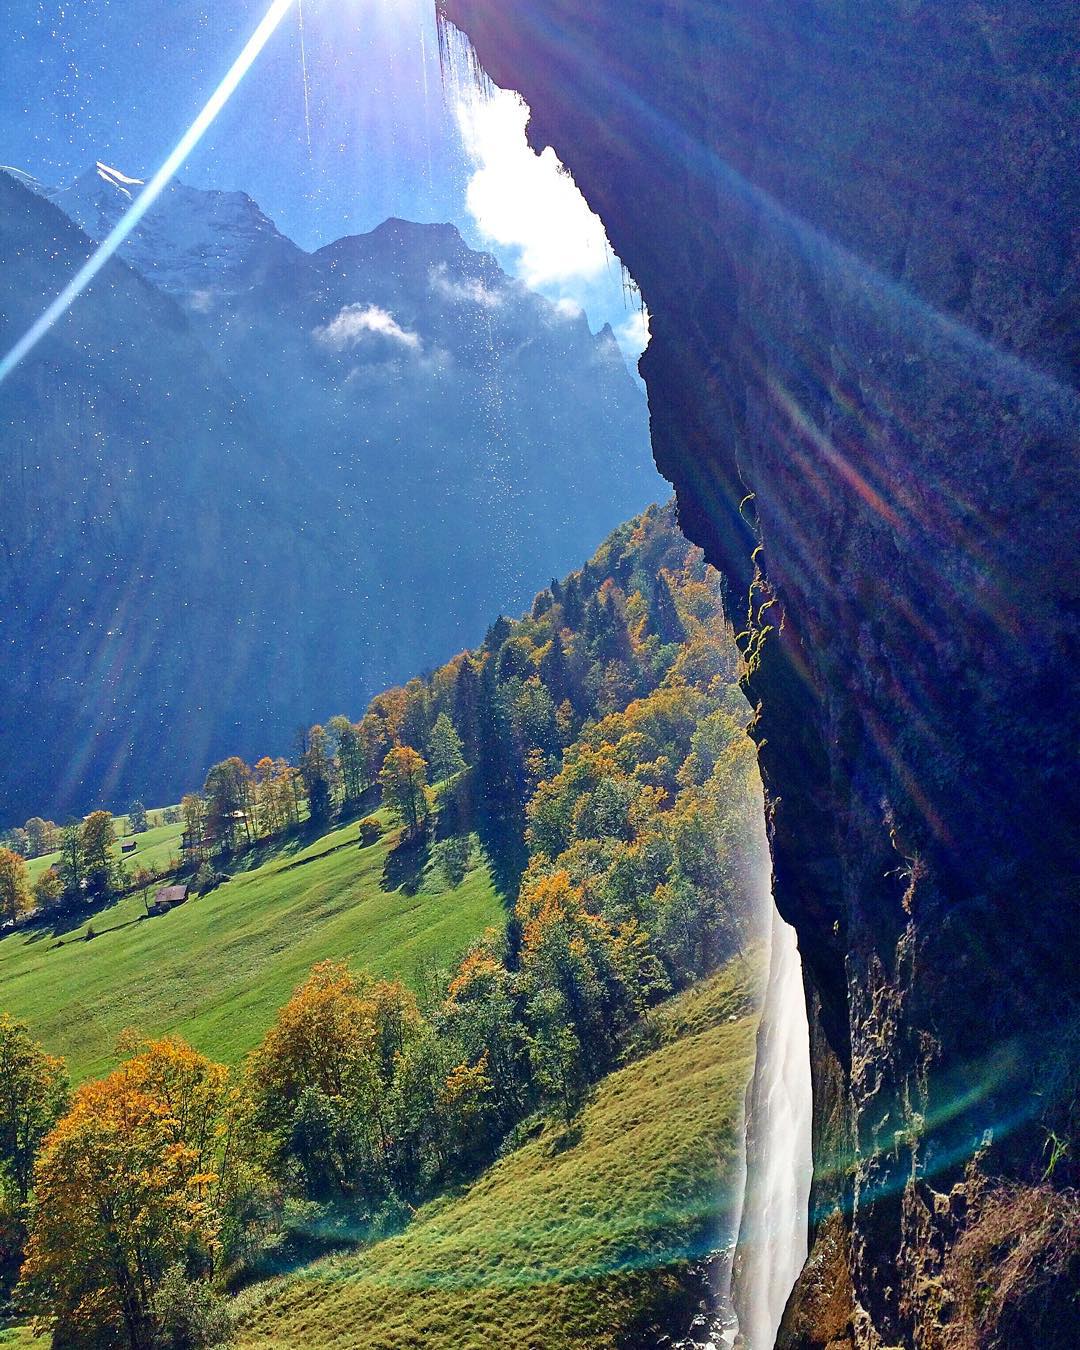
(558, 1245)
(216, 969)
(157, 849)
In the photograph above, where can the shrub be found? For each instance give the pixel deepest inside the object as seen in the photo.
(189, 1313)
(370, 831)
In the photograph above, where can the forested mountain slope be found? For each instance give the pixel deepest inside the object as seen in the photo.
(590, 761)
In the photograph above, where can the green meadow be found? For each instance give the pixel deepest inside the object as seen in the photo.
(561, 1242)
(216, 969)
(157, 849)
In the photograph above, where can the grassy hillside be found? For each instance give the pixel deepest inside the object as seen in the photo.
(157, 850)
(216, 970)
(558, 1244)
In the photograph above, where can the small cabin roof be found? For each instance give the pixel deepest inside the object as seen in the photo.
(171, 895)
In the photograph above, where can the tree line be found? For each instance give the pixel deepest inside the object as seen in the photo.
(598, 748)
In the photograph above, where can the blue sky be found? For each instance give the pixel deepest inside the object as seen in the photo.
(371, 132)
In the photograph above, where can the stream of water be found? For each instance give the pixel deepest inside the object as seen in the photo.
(773, 1233)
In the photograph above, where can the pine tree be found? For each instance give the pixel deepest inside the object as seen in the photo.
(446, 756)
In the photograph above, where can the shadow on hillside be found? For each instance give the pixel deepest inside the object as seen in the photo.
(405, 863)
(59, 922)
(502, 839)
(501, 833)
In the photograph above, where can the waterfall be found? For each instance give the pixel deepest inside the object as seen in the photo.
(773, 1232)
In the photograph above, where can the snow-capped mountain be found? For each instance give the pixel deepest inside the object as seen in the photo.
(192, 241)
(247, 486)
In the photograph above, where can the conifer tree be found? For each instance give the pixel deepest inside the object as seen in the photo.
(446, 756)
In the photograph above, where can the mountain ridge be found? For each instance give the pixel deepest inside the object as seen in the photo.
(400, 433)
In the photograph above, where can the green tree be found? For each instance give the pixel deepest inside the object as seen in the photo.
(97, 837)
(33, 1097)
(71, 868)
(14, 888)
(229, 803)
(193, 813)
(446, 745)
(350, 757)
(404, 786)
(137, 821)
(18, 841)
(316, 770)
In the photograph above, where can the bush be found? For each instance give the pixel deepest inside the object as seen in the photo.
(189, 1313)
(370, 831)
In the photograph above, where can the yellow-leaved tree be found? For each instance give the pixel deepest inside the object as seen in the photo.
(128, 1189)
(317, 1088)
(14, 887)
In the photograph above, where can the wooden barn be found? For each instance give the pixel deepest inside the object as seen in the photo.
(168, 897)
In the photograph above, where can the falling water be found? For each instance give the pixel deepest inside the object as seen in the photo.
(773, 1233)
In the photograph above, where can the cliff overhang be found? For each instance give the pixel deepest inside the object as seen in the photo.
(853, 230)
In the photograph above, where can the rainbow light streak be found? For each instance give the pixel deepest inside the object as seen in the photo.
(153, 189)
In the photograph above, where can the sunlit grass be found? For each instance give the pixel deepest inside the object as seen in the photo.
(559, 1244)
(217, 969)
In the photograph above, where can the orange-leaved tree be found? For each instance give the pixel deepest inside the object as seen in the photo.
(404, 786)
(129, 1187)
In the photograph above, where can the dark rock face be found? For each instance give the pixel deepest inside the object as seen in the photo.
(854, 227)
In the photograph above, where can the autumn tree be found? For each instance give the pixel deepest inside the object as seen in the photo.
(33, 1096)
(48, 889)
(404, 786)
(40, 836)
(317, 1086)
(14, 887)
(445, 745)
(128, 1185)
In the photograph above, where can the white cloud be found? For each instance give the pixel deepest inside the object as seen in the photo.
(525, 201)
(633, 335)
(470, 289)
(567, 308)
(354, 322)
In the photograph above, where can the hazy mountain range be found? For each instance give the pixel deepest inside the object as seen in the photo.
(243, 486)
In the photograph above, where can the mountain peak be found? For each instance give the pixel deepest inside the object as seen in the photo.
(191, 241)
(116, 179)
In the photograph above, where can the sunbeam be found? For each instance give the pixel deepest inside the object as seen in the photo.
(152, 191)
